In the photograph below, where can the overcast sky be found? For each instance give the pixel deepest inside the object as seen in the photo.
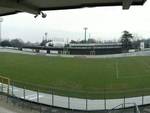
(104, 23)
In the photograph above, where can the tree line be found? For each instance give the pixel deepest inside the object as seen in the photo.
(128, 40)
(132, 42)
(16, 43)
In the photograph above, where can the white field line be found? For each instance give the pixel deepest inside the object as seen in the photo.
(117, 71)
(147, 65)
(127, 77)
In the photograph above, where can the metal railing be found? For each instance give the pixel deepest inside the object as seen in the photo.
(122, 106)
(54, 99)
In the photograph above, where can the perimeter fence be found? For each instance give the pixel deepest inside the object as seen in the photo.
(86, 101)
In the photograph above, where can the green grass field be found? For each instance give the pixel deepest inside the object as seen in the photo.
(79, 77)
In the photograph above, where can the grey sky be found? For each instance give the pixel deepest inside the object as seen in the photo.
(103, 23)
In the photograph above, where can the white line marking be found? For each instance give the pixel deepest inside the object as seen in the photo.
(117, 71)
(147, 65)
(135, 76)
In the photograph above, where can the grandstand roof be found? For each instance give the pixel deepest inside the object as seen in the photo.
(8, 7)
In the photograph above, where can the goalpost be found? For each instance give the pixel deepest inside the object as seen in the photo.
(4, 84)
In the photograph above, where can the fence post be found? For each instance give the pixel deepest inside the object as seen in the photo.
(86, 104)
(124, 102)
(24, 93)
(142, 99)
(105, 99)
(8, 89)
(52, 98)
(7, 92)
(105, 103)
(37, 96)
(68, 102)
(1, 89)
(12, 90)
(2, 86)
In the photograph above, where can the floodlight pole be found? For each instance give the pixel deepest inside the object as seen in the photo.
(1, 20)
(85, 33)
(46, 35)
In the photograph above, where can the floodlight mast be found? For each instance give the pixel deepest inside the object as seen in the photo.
(85, 29)
(1, 20)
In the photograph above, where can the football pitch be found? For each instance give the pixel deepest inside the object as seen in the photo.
(79, 77)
